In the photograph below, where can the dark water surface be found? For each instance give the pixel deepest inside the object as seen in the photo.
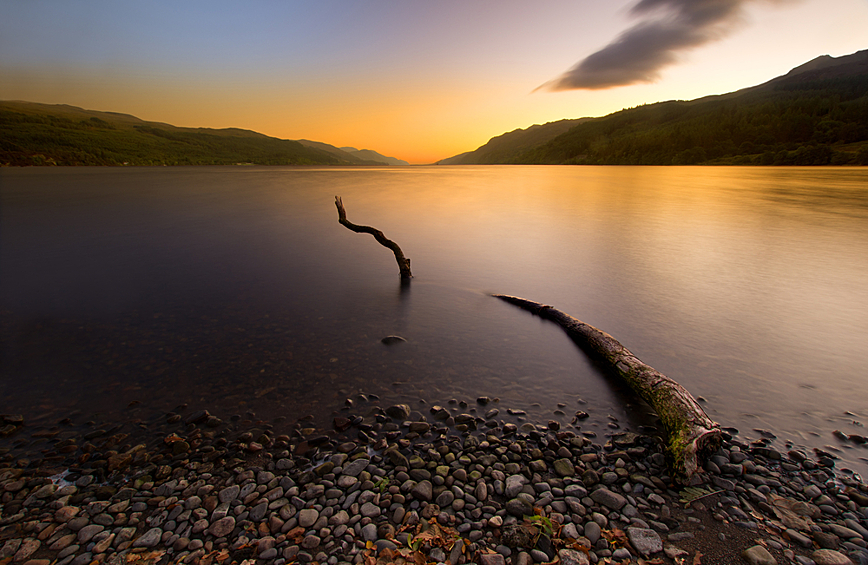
(236, 290)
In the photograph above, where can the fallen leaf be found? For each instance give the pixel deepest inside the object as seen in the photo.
(616, 536)
(697, 559)
(151, 556)
(296, 535)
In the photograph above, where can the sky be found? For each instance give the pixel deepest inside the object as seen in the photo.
(413, 79)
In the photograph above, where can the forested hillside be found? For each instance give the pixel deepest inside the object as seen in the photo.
(41, 134)
(815, 115)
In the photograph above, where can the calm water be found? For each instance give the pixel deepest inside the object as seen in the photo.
(235, 289)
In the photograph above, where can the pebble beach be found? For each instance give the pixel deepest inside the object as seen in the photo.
(454, 484)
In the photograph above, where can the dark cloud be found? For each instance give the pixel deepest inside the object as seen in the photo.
(667, 28)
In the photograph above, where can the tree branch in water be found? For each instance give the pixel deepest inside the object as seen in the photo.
(403, 262)
(691, 434)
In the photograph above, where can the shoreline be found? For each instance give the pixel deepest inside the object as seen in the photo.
(446, 485)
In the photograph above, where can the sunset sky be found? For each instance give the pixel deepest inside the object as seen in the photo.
(417, 80)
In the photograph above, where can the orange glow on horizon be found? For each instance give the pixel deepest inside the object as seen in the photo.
(411, 82)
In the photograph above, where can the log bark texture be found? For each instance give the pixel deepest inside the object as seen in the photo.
(403, 262)
(690, 434)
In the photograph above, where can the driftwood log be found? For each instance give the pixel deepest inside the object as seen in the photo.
(690, 434)
(403, 262)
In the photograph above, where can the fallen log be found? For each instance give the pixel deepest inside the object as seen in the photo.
(403, 262)
(690, 434)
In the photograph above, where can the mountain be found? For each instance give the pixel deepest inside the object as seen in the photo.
(367, 155)
(371, 155)
(46, 134)
(516, 141)
(816, 114)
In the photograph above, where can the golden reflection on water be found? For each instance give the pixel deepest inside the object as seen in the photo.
(747, 285)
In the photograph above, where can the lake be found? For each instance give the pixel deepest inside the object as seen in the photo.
(128, 291)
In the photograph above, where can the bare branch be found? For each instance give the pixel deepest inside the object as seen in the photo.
(691, 434)
(403, 262)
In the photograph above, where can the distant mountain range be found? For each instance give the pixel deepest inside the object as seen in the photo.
(371, 155)
(46, 134)
(816, 114)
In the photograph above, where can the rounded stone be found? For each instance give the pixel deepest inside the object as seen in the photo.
(369, 532)
(608, 498)
(307, 517)
(519, 507)
(830, 557)
(222, 527)
(399, 411)
(593, 532)
(369, 510)
(758, 555)
(27, 549)
(423, 490)
(150, 538)
(573, 557)
(229, 493)
(445, 498)
(66, 513)
(86, 533)
(564, 467)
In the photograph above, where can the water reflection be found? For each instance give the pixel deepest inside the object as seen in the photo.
(238, 290)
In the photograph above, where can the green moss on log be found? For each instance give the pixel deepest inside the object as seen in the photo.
(690, 433)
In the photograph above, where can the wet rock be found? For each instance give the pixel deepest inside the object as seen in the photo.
(393, 340)
(197, 417)
(420, 427)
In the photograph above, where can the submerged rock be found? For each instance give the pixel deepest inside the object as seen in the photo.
(393, 339)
